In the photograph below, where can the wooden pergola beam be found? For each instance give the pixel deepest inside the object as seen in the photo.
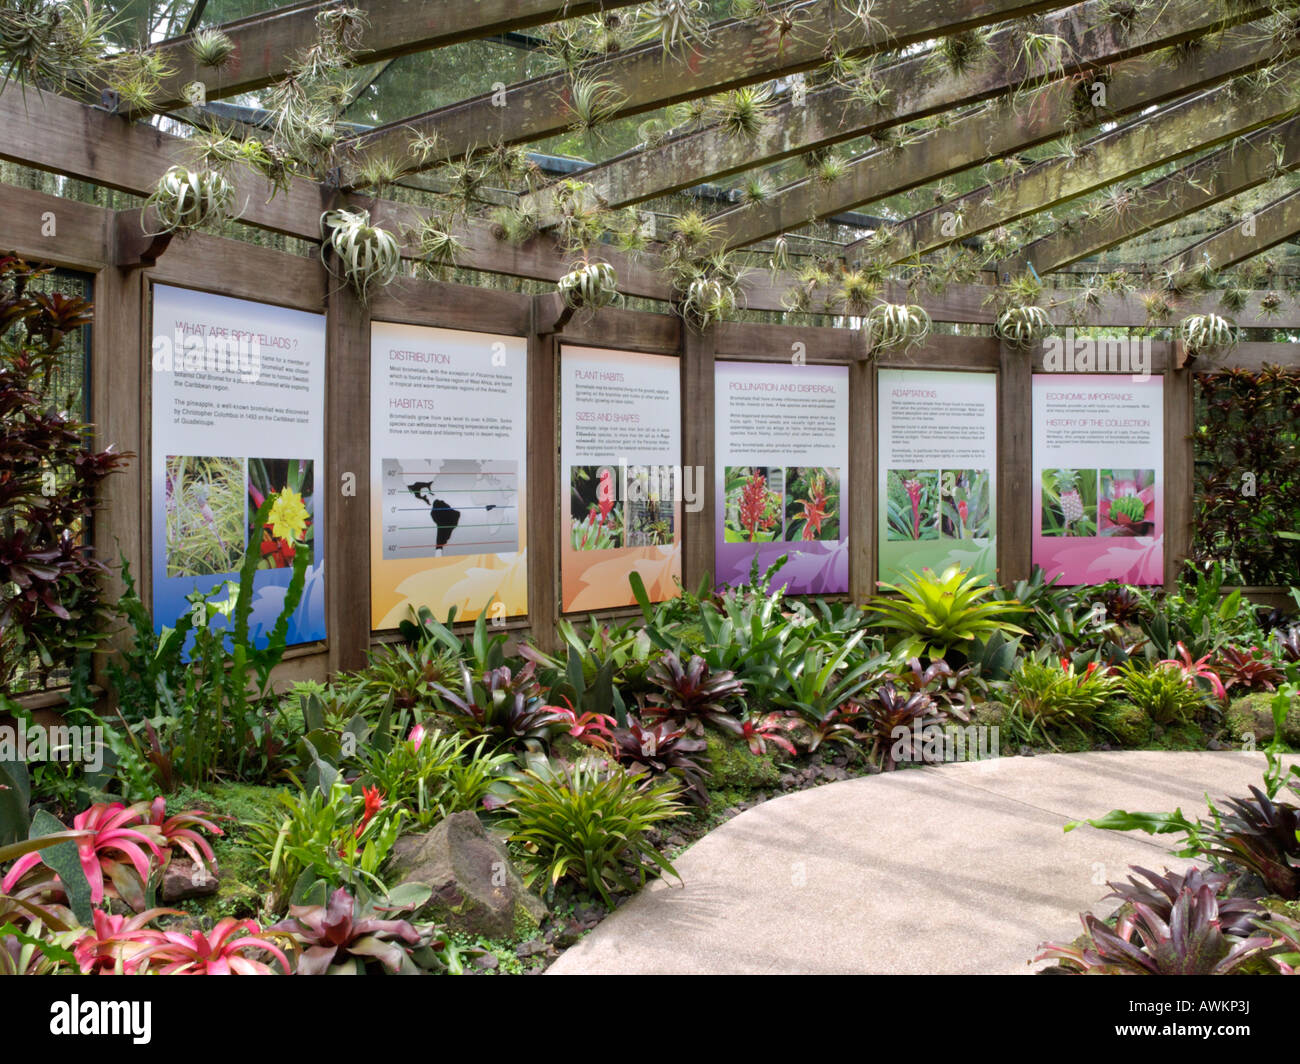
(1241, 166)
(910, 90)
(267, 44)
(1001, 128)
(1245, 238)
(60, 135)
(1178, 130)
(648, 77)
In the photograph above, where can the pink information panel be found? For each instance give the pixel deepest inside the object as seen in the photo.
(1098, 485)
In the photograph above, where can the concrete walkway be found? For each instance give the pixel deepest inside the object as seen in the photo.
(955, 869)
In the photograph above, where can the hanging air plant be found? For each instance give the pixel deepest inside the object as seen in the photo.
(1022, 326)
(186, 199)
(368, 256)
(212, 48)
(706, 300)
(589, 285)
(1201, 333)
(897, 325)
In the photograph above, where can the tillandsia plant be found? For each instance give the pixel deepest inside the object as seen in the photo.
(1206, 333)
(368, 257)
(187, 199)
(589, 286)
(897, 325)
(1022, 326)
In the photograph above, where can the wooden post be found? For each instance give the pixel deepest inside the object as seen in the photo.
(120, 414)
(863, 560)
(544, 502)
(1015, 464)
(699, 540)
(347, 477)
(1180, 487)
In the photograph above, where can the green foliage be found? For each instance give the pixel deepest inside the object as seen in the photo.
(1048, 696)
(194, 697)
(324, 835)
(938, 614)
(1162, 692)
(588, 824)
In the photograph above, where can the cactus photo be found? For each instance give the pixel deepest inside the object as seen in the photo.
(1069, 502)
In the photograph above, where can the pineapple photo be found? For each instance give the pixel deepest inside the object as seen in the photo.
(1069, 502)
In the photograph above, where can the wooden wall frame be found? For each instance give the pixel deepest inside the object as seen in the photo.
(94, 240)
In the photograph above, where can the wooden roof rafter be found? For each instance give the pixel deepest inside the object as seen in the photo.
(910, 89)
(1242, 165)
(1174, 131)
(267, 44)
(651, 76)
(1250, 235)
(1002, 128)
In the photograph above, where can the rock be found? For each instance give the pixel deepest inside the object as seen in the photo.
(488, 961)
(182, 879)
(1250, 719)
(676, 840)
(1214, 744)
(474, 887)
(531, 949)
(567, 935)
(835, 772)
(1026, 751)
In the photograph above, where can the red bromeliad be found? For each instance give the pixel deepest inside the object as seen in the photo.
(114, 829)
(230, 948)
(115, 943)
(1197, 670)
(913, 489)
(814, 508)
(753, 506)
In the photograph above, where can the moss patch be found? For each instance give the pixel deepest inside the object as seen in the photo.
(243, 885)
(1252, 717)
(1124, 722)
(736, 768)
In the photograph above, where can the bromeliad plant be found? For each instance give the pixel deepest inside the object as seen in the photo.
(592, 824)
(1022, 326)
(661, 748)
(691, 694)
(1048, 696)
(368, 257)
(896, 325)
(897, 723)
(938, 616)
(187, 199)
(1240, 668)
(346, 936)
(1164, 692)
(502, 705)
(1190, 941)
(1205, 333)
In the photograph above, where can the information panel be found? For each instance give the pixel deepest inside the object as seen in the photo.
(238, 415)
(1098, 485)
(621, 477)
(937, 487)
(781, 459)
(448, 452)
